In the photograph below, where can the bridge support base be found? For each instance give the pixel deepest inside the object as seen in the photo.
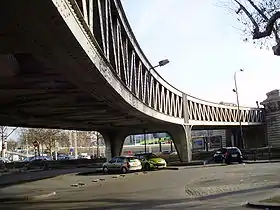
(114, 142)
(181, 136)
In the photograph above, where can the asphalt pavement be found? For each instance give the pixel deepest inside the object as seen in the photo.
(222, 187)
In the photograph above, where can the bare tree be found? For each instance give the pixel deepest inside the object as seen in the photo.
(89, 138)
(12, 144)
(46, 137)
(260, 21)
(5, 133)
(84, 138)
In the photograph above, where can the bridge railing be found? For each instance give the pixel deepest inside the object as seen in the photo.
(106, 23)
(202, 110)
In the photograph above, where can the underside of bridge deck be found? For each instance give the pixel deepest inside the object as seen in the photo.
(39, 96)
(48, 80)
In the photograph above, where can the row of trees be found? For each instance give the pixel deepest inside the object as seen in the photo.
(259, 20)
(49, 139)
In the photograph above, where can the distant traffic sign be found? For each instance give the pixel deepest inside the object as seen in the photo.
(72, 149)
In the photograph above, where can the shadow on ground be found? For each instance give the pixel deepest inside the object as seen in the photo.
(110, 203)
(27, 177)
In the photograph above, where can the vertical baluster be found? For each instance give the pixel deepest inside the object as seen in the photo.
(85, 10)
(107, 28)
(91, 15)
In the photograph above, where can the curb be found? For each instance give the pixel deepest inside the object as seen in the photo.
(172, 168)
(198, 163)
(259, 162)
(205, 166)
(27, 198)
(258, 205)
(193, 166)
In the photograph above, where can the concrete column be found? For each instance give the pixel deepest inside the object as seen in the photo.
(181, 136)
(114, 140)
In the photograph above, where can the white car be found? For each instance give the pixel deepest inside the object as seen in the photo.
(123, 164)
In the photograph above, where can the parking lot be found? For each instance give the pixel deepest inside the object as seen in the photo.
(221, 187)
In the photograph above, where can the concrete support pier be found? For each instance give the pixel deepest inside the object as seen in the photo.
(181, 136)
(114, 140)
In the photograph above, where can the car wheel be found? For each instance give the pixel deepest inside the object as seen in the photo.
(105, 169)
(240, 161)
(123, 170)
(147, 167)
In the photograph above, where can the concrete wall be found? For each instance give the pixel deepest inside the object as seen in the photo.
(272, 118)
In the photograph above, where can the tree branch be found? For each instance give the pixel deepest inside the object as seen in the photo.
(269, 27)
(265, 18)
(249, 15)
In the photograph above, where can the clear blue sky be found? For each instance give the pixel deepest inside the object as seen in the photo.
(204, 48)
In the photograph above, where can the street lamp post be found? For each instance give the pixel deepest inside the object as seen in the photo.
(160, 64)
(145, 140)
(238, 109)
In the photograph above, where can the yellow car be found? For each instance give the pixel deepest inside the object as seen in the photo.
(151, 161)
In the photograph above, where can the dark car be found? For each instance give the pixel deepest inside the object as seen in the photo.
(228, 155)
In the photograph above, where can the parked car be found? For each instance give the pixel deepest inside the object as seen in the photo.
(123, 164)
(37, 158)
(64, 157)
(228, 155)
(151, 161)
(4, 160)
(84, 156)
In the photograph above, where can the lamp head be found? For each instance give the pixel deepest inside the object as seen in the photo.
(163, 62)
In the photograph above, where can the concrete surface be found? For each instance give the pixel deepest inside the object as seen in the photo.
(22, 177)
(227, 187)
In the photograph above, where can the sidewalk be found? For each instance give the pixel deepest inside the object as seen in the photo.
(19, 178)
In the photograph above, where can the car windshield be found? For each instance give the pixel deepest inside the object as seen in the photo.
(132, 159)
(150, 155)
(233, 150)
(223, 150)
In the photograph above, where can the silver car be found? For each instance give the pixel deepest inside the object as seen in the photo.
(123, 164)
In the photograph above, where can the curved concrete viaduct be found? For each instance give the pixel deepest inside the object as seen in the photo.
(77, 65)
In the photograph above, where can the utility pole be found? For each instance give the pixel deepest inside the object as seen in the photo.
(238, 111)
(75, 144)
(145, 140)
(2, 140)
(97, 144)
(27, 146)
